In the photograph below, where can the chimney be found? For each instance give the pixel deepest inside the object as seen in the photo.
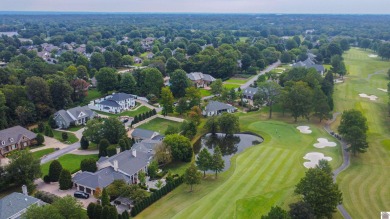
(116, 165)
(24, 190)
(134, 153)
(118, 150)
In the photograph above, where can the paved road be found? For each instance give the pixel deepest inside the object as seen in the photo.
(344, 165)
(60, 152)
(252, 80)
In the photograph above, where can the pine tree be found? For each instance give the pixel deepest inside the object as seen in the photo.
(84, 143)
(55, 169)
(192, 176)
(105, 198)
(103, 145)
(97, 212)
(65, 180)
(204, 161)
(91, 209)
(217, 163)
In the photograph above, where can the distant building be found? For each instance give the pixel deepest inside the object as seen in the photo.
(309, 63)
(200, 79)
(75, 116)
(115, 103)
(215, 108)
(15, 138)
(250, 92)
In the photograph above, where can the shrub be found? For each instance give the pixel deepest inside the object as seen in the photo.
(111, 150)
(41, 127)
(153, 189)
(89, 165)
(84, 143)
(40, 139)
(46, 196)
(46, 179)
(55, 169)
(52, 122)
(65, 180)
(64, 136)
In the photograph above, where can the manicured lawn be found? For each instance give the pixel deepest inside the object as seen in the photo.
(71, 137)
(235, 81)
(365, 184)
(231, 86)
(41, 153)
(93, 94)
(159, 125)
(205, 93)
(75, 128)
(260, 177)
(130, 113)
(70, 162)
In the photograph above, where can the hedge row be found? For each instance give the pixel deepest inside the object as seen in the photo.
(143, 116)
(139, 207)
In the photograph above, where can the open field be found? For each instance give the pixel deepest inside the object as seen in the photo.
(365, 184)
(70, 162)
(71, 137)
(159, 125)
(41, 153)
(260, 177)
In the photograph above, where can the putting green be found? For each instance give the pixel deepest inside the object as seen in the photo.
(365, 184)
(260, 177)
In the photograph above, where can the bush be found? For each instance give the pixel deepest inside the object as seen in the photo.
(65, 180)
(64, 136)
(40, 139)
(89, 165)
(84, 143)
(55, 169)
(111, 150)
(41, 127)
(153, 189)
(46, 179)
(46, 196)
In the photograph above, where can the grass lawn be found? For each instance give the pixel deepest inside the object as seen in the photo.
(130, 113)
(231, 86)
(159, 125)
(236, 81)
(205, 93)
(365, 184)
(75, 128)
(70, 162)
(243, 39)
(93, 94)
(71, 137)
(260, 177)
(41, 153)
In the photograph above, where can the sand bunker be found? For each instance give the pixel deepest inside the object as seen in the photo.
(372, 56)
(371, 97)
(381, 89)
(314, 158)
(304, 129)
(323, 142)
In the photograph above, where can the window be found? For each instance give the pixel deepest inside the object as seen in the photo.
(2, 142)
(11, 140)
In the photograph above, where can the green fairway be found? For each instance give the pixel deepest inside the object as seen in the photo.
(260, 177)
(71, 137)
(159, 125)
(365, 184)
(41, 153)
(70, 162)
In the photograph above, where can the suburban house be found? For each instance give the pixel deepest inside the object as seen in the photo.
(250, 92)
(73, 117)
(146, 146)
(125, 166)
(309, 63)
(142, 134)
(215, 108)
(115, 103)
(200, 79)
(15, 138)
(15, 204)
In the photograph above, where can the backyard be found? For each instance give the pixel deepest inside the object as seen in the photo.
(70, 162)
(159, 125)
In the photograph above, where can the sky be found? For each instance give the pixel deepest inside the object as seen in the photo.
(203, 6)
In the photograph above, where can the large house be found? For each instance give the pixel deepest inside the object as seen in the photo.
(200, 79)
(75, 116)
(146, 146)
(15, 204)
(250, 92)
(125, 166)
(215, 108)
(115, 103)
(15, 138)
(309, 63)
(139, 135)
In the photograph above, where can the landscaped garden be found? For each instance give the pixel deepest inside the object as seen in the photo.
(159, 125)
(70, 162)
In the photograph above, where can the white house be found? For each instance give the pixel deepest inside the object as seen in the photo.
(115, 103)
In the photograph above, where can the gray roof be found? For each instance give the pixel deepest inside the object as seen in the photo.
(101, 178)
(146, 146)
(121, 97)
(309, 63)
(194, 76)
(217, 106)
(129, 164)
(14, 203)
(142, 133)
(109, 103)
(13, 135)
(74, 114)
(251, 91)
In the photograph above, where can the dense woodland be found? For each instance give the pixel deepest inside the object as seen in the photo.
(51, 62)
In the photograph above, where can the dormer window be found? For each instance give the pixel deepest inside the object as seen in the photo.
(11, 140)
(2, 142)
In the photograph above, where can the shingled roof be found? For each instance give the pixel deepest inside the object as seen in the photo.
(14, 203)
(13, 135)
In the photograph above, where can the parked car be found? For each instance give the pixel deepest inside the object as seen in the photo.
(80, 194)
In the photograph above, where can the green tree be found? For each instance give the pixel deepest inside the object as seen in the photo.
(229, 123)
(64, 136)
(91, 210)
(107, 80)
(204, 161)
(268, 93)
(301, 210)
(142, 177)
(55, 169)
(353, 127)
(193, 48)
(320, 192)
(65, 180)
(105, 199)
(167, 100)
(40, 139)
(113, 130)
(216, 87)
(97, 212)
(3, 108)
(70, 208)
(112, 213)
(192, 176)
(23, 168)
(92, 131)
(181, 106)
(212, 125)
(299, 99)
(172, 65)
(163, 154)
(111, 150)
(128, 84)
(180, 147)
(88, 164)
(103, 145)
(276, 213)
(97, 60)
(45, 211)
(194, 96)
(179, 83)
(189, 130)
(127, 60)
(217, 164)
(320, 104)
(338, 65)
(84, 143)
(152, 169)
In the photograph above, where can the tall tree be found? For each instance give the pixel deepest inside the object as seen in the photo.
(229, 123)
(61, 92)
(97, 60)
(276, 213)
(55, 169)
(103, 145)
(23, 167)
(38, 92)
(3, 108)
(194, 96)
(167, 100)
(204, 161)
(320, 192)
(93, 130)
(70, 208)
(180, 147)
(153, 81)
(128, 84)
(217, 164)
(299, 99)
(301, 210)
(112, 130)
(320, 104)
(105, 200)
(65, 180)
(179, 83)
(216, 87)
(172, 65)
(268, 93)
(107, 80)
(181, 105)
(353, 127)
(45, 211)
(192, 176)
(212, 125)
